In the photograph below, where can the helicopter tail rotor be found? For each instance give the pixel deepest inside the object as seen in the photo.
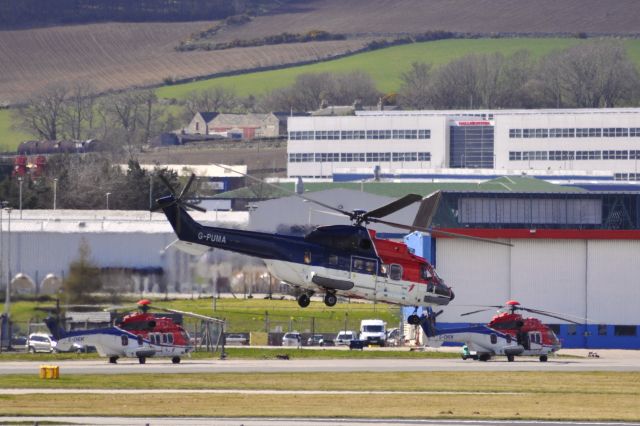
(168, 201)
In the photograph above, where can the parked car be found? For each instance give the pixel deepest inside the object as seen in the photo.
(345, 336)
(236, 339)
(19, 343)
(315, 340)
(292, 338)
(41, 342)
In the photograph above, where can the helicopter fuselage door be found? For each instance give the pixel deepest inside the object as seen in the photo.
(535, 341)
(364, 275)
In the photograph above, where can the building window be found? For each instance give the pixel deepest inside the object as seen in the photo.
(602, 330)
(571, 330)
(625, 330)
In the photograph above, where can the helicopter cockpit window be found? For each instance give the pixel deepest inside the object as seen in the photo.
(508, 339)
(494, 339)
(395, 271)
(124, 340)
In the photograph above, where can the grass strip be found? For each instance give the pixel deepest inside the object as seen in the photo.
(558, 383)
(569, 407)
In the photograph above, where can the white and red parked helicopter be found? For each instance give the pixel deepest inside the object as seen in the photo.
(347, 260)
(138, 334)
(507, 334)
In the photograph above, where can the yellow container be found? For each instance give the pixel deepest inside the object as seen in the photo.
(49, 372)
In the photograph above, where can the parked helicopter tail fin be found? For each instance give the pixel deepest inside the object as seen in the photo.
(55, 328)
(428, 322)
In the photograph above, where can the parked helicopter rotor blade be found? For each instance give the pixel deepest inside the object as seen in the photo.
(433, 231)
(190, 314)
(474, 312)
(427, 210)
(392, 207)
(295, 194)
(554, 315)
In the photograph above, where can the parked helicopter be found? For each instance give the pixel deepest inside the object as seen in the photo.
(508, 334)
(139, 334)
(348, 260)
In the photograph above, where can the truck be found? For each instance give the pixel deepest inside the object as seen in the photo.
(373, 332)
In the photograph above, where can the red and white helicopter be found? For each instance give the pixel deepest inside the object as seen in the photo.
(347, 260)
(140, 334)
(508, 334)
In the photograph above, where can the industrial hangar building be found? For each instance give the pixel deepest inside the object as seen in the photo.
(573, 251)
(562, 145)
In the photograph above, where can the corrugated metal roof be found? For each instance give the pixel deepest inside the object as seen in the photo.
(397, 189)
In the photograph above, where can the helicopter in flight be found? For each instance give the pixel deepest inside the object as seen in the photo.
(139, 334)
(347, 260)
(508, 334)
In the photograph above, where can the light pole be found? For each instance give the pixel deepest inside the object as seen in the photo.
(107, 194)
(20, 197)
(55, 192)
(7, 300)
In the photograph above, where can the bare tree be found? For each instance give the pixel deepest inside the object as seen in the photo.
(415, 91)
(129, 119)
(216, 99)
(77, 117)
(597, 75)
(43, 113)
(354, 86)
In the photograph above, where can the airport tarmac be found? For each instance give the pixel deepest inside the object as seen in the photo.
(608, 360)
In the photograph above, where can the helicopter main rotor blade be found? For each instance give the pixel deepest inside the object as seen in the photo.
(187, 186)
(427, 209)
(167, 184)
(194, 207)
(433, 231)
(553, 315)
(393, 206)
(190, 314)
(295, 194)
(474, 312)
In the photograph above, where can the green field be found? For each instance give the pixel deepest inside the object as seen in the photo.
(247, 315)
(385, 67)
(592, 396)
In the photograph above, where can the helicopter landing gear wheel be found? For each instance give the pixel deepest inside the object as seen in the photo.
(413, 319)
(484, 357)
(510, 358)
(330, 299)
(142, 359)
(304, 300)
(543, 358)
(175, 360)
(113, 360)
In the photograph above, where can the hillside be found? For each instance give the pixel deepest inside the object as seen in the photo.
(115, 56)
(383, 17)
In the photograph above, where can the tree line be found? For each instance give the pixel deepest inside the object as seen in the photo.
(589, 75)
(33, 13)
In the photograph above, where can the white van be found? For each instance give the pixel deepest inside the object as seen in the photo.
(373, 332)
(345, 336)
